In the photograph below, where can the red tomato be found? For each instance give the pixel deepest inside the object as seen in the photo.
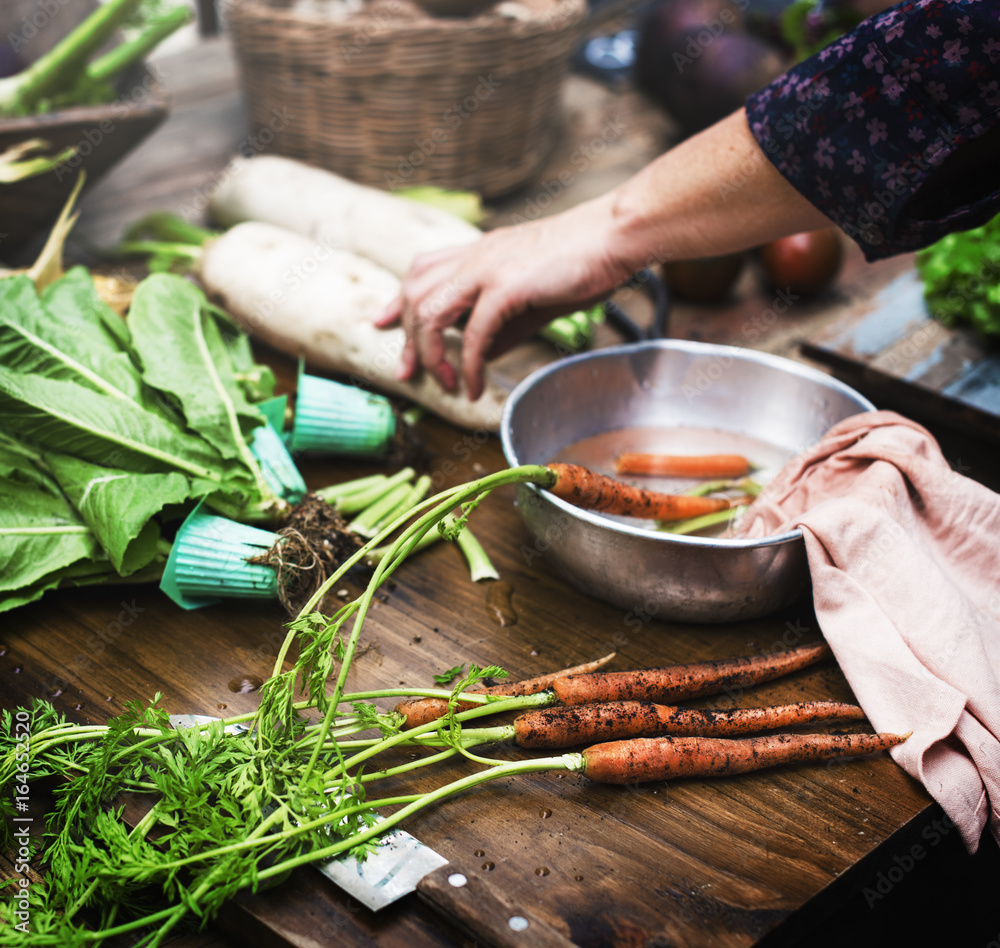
(806, 263)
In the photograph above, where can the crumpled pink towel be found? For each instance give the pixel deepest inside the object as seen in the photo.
(904, 555)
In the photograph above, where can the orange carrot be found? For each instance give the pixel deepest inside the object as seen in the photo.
(663, 758)
(568, 727)
(681, 682)
(419, 711)
(676, 465)
(591, 491)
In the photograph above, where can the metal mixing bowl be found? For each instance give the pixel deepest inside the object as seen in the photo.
(668, 383)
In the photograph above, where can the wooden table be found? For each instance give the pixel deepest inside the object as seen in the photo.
(806, 855)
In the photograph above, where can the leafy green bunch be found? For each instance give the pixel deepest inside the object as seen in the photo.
(112, 429)
(961, 275)
(237, 804)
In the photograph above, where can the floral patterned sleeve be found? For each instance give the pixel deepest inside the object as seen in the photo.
(860, 127)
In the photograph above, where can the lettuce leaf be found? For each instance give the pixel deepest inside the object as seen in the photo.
(961, 274)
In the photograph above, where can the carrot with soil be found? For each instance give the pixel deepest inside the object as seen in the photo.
(644, 760)
(591, 491)
(677, 465)
(423, 710)
(672, 683)
(553, 728)
(683, 682)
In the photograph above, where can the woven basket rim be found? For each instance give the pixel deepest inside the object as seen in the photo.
(486, 21)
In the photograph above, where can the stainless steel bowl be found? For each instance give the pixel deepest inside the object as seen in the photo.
(669, 383)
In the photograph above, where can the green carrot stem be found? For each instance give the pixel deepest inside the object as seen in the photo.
(135, 50)
(569, 762)
(334, 492)
(60, 68)
(494, 706)
(428, 539)
(443, 503)
(406, 768)
(682, 527)
(710, 487)
(480, 566)
(745, 484)
(365, 524)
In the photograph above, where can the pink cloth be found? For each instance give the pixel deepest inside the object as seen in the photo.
(904, 555)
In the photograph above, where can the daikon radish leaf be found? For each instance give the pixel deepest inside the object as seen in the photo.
(182, 352)
(40, 534)
(70, 346)
(75, 293)
(120, 506)
(64, 416)
(255, 379)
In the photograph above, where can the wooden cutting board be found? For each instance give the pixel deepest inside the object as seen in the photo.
(889, 347)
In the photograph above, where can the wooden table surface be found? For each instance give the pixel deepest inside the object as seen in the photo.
(766, 859)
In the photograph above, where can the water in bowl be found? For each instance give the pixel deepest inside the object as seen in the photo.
(598, 453)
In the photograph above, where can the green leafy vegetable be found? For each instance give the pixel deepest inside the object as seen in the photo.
(106, 433)
(961, 274)
(447, 677)
(66, 76)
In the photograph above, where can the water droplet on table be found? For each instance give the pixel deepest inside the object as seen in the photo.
(245, 684)
(498, 603)
(542, 871)
(479, 852)
(488, 866)
(545, 813)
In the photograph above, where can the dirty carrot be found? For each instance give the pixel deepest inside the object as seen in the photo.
(591, 491)
(644, 760)
(681, 682)
(422, 710)
(552, 728)
(678, 465)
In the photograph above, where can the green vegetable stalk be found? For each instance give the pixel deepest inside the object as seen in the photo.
(63, 74)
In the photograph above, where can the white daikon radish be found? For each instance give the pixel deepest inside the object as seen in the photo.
(308, 300)
(336, 212)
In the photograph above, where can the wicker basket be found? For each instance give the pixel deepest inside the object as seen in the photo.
(392, 97)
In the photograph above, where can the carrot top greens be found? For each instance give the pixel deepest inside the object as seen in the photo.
(234, 810)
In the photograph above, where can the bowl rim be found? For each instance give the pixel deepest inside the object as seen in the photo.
(684, 345)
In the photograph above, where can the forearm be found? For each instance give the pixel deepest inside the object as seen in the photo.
(714, 193)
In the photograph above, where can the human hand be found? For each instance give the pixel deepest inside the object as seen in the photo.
(511, 282)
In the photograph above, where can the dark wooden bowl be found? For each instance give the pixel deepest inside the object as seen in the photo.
(102, 135)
